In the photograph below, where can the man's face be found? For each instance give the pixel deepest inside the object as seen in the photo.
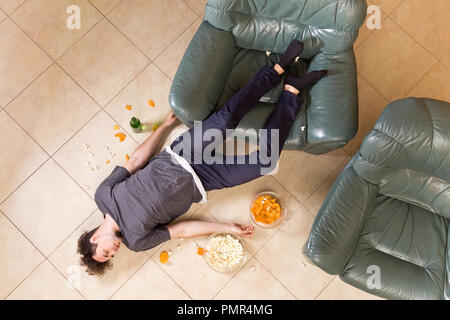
(107, 245)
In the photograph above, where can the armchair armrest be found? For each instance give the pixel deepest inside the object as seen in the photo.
(333, 109)
(202, 74)
(339, 222)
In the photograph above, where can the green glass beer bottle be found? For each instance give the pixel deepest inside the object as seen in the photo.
(135, 124)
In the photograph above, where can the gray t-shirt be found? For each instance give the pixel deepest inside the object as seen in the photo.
(143, 204)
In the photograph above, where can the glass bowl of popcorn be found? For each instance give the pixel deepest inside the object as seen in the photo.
(267, 210)
(225, 252)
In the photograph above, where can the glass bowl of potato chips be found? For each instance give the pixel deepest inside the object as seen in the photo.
(266, 210)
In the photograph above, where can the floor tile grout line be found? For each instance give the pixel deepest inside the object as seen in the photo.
(165, 49)
(105, 14)
(100, 107)
(234, 275)
(30, 242)
(369, 82)
(28, 85)
(78, 40)
(173, 280)
(415, 40)
(327, 285)
(12, 12)
(12, 222)
(420, 80)
(55, 61)
(131, 276)
(50, 157)
(65, 278)
(440, 61)
(72, 232)
(199, 14)
(299, 201)
(340, 163)
(177, 38)
(278, 280)
(29, 176)
(27, 276)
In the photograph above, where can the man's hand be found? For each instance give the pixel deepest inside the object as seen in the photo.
(242, 230)
(170, 119)
(143, 153)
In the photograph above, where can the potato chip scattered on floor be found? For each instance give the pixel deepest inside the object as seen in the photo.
(116, 127)
(107, 162)
(151, 103)
(128, 107)
(200, 251)
(121, 136)
(127, 157)
(163, 257)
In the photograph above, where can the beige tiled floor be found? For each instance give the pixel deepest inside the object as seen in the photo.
(63, 94)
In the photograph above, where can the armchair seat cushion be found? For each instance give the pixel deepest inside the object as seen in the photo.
(405, 242)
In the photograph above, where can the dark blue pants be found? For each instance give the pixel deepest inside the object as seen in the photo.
(241, 170)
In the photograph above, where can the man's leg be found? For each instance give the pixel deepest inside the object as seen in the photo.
(191, 144)
(217, 176)
(236, 170)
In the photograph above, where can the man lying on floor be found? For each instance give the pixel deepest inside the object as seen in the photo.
(140, 199)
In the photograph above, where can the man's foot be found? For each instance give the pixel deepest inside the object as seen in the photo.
(293, 51)
(291, 89)
(306, 80)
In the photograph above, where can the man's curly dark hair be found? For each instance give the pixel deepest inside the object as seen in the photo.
(87, 249)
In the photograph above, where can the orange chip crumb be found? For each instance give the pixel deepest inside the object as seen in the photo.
(164, 257)
(127, 157)
(155, 126)
(151, 103)
(116, 127)
(128, 107)
(200, 251)
(121, 136)
(107, 162)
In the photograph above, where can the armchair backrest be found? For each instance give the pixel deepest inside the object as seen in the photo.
(407, 154)
(269, 25)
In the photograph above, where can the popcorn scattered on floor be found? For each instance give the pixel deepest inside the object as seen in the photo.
(252, 268)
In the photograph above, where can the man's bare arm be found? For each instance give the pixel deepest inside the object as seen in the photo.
(195, 228)
(144, 152)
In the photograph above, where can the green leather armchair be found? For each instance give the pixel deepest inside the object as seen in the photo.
(230, 47)
(390, 207)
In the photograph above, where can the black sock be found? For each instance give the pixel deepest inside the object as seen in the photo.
(304, 81)
(293, 51)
